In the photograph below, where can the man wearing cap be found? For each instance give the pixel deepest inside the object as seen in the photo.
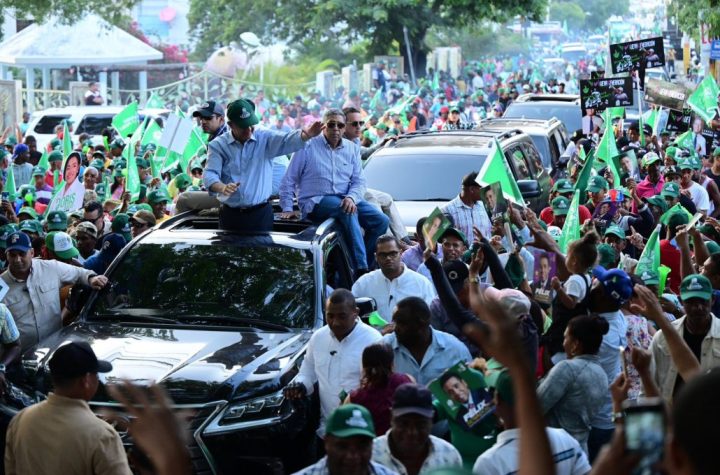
(688, 185)
(21, 168)
(333, 355)
(700, 330)
(35, 285)
(55, 159)
(212, 119)
(611, 289)
(615, 237)
(673, 195)
(453, 244)
(467, 211)
(63, 428)
(502, 458)
(141, 221)
(379, 77)
(86, 236)
(392, 282)
(564, 188)
(158, 199)
(597, 189)
(239, 167)
(43, 192)
(349, 445)
(328, 180)
(408, 447)
(653, 182)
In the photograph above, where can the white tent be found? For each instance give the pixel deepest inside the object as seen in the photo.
(90, 41)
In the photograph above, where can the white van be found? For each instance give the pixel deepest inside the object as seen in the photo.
(86, 119)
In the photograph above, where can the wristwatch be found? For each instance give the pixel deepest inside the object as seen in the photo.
(2, 368)
(474, 280)
(617, 416)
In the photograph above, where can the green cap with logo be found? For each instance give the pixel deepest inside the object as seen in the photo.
(658, 201)
(650, 277)
(560, 206)
(596, 184)
(29, 211)
(55, 156)
(350, 420)
(121, 225)
(563, 186)
(57, 221)
(6, 231)
(38, 171)
(696, 286)
(615, 230)
(671, 152)
(32, 226)
(182, 181)
(606, 255)
(117, 143)
(241, 112)
(158, 196)
(61, 244)
(671, 189)
(650, 158)
(98, 164)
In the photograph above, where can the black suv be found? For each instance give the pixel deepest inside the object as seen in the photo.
(221, 320)
(549, 136)
(423, 170)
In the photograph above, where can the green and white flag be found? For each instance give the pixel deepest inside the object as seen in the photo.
(377, 99)
(194, 145)
(650, 257)
(10, 186)
(126, 121)
(154, 102)
(496, 170)
(704, 101)
(678, 208)
(66, 144)
(152, 134)
(571, 228)
(584, 176)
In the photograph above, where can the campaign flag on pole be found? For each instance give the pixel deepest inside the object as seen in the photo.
(435, 82)
(377, 98)
(126, 121)
(66, 144)
(571, 228)
(704, 101)
(607, 148)
(152, 134)
(154, 102)
(584, 175)
(10, 184)
(195, 143)
(496, 170)
(650, 257)
(678, 208)
(44, 162)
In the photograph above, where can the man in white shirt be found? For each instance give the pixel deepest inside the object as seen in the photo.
(503, 458)
(393, 281)
(697, 192)
(334, 354)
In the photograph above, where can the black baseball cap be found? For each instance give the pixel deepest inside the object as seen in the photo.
(411, 398)
(76, 358)
(456, 272)
(208, 109)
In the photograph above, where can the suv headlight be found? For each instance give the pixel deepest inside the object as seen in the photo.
(262, 411)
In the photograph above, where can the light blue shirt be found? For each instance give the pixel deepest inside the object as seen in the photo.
(444, 351)
(280, 165)
(249, 164)
(318, 170)
(609, 360)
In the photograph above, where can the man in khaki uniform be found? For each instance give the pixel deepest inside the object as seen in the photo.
(62, 435)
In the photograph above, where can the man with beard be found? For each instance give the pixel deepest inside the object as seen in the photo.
(212, 119)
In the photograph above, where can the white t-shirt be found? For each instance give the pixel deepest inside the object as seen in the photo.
(705, 184)
(503, 457)
(576, 286)
(387, 293)
(700, 197)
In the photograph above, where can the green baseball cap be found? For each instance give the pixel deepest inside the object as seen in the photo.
(381, 126)
(671, 189)
(182, 181)
(38, 171)
(32, 226)
(676, 219)
(29, 211)
(696, 286)
(650, 277)
(615, 230)
(121, 224)
(57, 221)
(117, 143)
(55, 156)
(606, 255)
(61, 244)
(241, 112)
(563, 186)
(671, 152)
(712, 247)
(97, 164)
(560, 206)
(158, 196)
(709, 231)
(142, 163)
(596, 184)
(6, 231)
(143, 206)
(716, 152)
(658, 201)
(650, 158)
(350, 420)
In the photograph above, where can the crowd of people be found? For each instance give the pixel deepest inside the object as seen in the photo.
(482, 365)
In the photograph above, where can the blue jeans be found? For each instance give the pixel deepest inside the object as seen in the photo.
(367, 217)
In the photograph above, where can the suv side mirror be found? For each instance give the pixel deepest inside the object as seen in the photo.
(367, 305)
(529, 188)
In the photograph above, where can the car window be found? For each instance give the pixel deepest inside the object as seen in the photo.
(534, 159)
(516, 156)
(542, 144)
(555, 149)
(336, 270)
(47, 123)
(568, 114)
(174, 280)
(94, 124)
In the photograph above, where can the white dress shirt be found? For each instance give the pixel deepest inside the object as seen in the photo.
(335, 365)
(387, 293)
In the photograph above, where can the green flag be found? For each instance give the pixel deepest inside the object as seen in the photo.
(194, 145)
(704, 101)
(496, 170)
(154, 102)
(685, 141)
(10, 184)
(44, 162)
(571, 228)
(435, 82)
(126, 121)
(607, 148)
(615, 113)
(678, 208)
(650, 257)
(377, 98)
(152, 134)
(584, 176)
(133, 179)
(66, 144)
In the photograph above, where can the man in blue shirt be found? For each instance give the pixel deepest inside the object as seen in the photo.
(327, 177)
(212, 119)
(240, 167)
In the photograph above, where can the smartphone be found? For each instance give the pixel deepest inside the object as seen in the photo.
(645, 424)
(5, 195)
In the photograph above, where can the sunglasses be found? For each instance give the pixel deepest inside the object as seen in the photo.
(335, 125)
(357, 123)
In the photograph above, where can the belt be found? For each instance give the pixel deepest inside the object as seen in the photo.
(245, 209)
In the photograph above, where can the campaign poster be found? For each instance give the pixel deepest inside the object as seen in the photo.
(607, 92)
(637, 55)
(666, 94)
(495, 203)
(435, 225)
(712, 137)
(545, 269)
(71, 193)
(463, 395)
(679, 121)
(604, 214)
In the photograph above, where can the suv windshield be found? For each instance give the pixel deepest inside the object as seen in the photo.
(568, 114)
(440, 175)
(47, 123)
(94, 124)
(225, 283)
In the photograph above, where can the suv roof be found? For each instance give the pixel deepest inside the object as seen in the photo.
(493, 123)
(575, 98)
(452, 138)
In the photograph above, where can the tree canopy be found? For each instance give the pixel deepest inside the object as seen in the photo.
(689, 11)
(69, 11)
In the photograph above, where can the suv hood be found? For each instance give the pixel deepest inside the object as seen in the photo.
(412, 211)
(195, 365)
